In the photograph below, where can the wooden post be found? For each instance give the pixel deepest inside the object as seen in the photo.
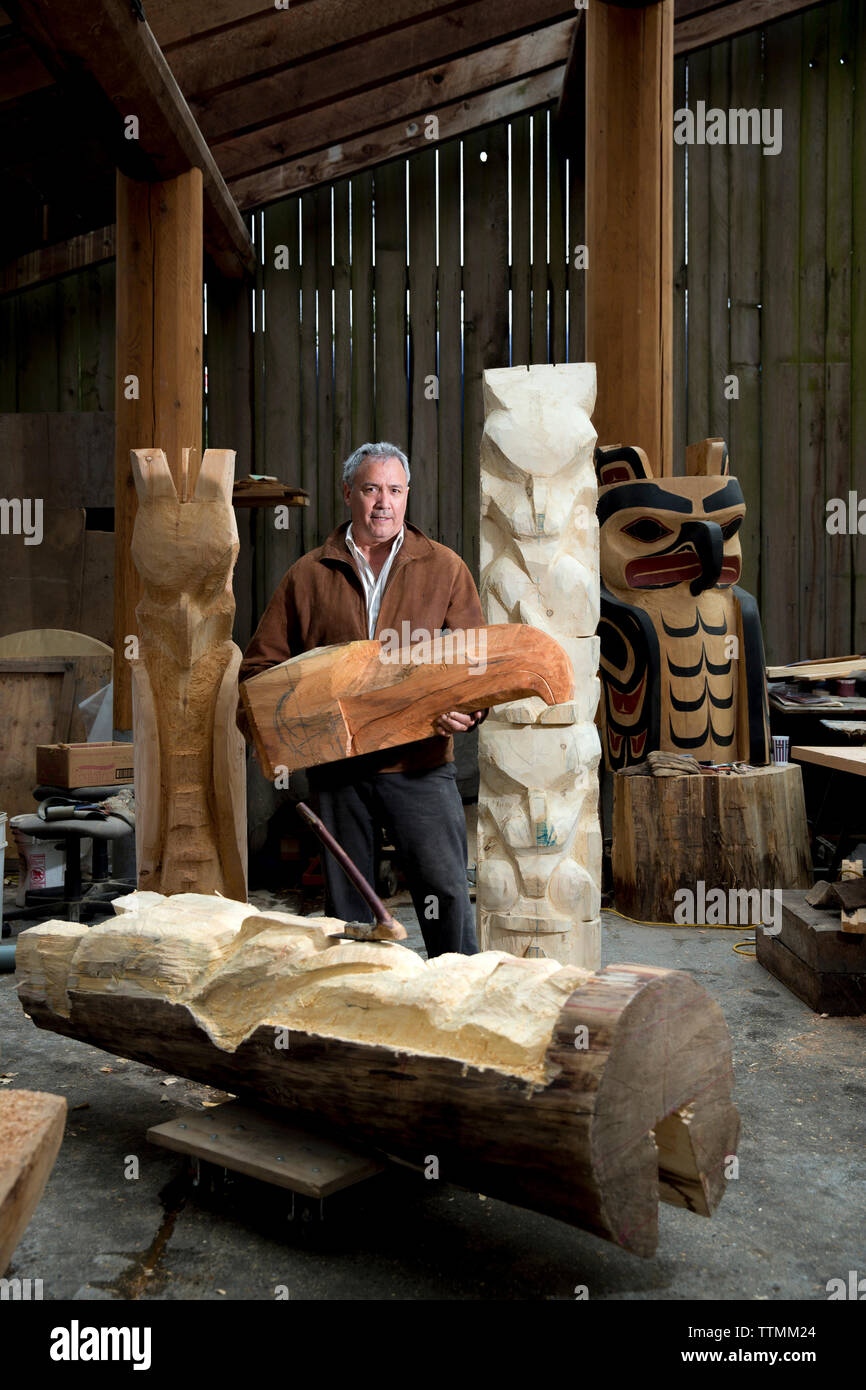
(158, 366)
(629, 223)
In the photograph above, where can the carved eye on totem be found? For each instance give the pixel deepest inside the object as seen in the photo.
(647, 529)
(731, 528)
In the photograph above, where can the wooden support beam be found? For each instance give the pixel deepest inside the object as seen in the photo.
(159, 357)
(629, 223)
(104, 39)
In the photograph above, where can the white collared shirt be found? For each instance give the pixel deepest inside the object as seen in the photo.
(373, 587)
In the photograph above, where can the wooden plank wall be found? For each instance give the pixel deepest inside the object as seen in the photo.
(379, 301)
(399, 284)
(769, 288)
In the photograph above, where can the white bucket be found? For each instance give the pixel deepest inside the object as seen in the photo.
(41, 863)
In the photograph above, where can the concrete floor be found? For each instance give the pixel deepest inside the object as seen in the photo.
(795, 1218)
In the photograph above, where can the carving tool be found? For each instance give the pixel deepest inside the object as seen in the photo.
(385, 927)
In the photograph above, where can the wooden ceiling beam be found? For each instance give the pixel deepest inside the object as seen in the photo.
(410, 97)
(697, 30)
(276, 40)
(385, 57)
(391, 141)
(50, 262)
(103, 41)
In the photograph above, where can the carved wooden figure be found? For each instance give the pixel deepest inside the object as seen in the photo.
(682, 657)
(539, 840)
(190, 774)
(585, 1096)
(358, 697)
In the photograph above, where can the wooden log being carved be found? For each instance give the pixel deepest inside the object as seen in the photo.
(190, 773)
(539, 840)
(587, 1097)
(682, 656)
(31, 1132)
(358, 697)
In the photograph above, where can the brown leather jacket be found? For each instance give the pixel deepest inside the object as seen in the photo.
(320, 600)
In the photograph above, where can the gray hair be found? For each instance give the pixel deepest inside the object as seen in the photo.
(382, 450)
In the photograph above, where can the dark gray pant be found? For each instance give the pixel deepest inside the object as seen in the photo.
(423, 813)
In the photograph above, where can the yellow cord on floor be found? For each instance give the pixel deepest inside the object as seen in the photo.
(707, 926)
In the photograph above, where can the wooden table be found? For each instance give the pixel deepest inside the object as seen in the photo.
(841, 758)
(835, 758)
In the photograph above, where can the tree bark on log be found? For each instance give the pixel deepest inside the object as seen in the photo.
(737, 831)
(588, 1097)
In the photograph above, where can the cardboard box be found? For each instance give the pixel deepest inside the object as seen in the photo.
(83, 764)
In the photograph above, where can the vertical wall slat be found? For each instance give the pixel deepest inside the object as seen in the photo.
(558, 272)
(424, 433)
(744, 430)
(36, 347)
(779, 371)
(858, 330)
(67, 329)
(576, 274)
(811, 332)
(718, 324)
(485, 282)
(539, 271)
(228, 357)
(837, 351)
(343, 442)
(282, 368)
(309, 385)
(389, 183)
(521, 284)
(329, 516)
(678, 357)
(700, 308)
(362, 308)
(450, 349)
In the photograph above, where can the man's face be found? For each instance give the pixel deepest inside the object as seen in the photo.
(378, 498)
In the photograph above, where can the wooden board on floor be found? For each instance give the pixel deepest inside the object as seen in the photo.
(826, 992)
(815, 935)
(262, 1146)
(31, 1132)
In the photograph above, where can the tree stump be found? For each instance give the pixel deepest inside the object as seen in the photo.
(728, 831)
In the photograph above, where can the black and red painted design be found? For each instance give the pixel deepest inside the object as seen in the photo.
(682, 660)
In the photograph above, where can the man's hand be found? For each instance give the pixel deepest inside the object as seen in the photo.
(455, 722)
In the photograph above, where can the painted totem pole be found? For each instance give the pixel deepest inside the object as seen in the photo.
(682, 657)
(539, 840)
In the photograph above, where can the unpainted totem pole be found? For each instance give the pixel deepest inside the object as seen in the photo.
(539, 839)
(189, 754)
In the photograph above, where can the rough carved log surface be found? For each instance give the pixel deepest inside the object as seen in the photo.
(190, 766)
(588, 1097)
(31, 1132)
(734, 831)
(539, 840)
(358, 697)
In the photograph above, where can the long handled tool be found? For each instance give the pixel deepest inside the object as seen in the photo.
(385, 927)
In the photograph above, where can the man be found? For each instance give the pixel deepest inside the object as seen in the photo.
(370, 576)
